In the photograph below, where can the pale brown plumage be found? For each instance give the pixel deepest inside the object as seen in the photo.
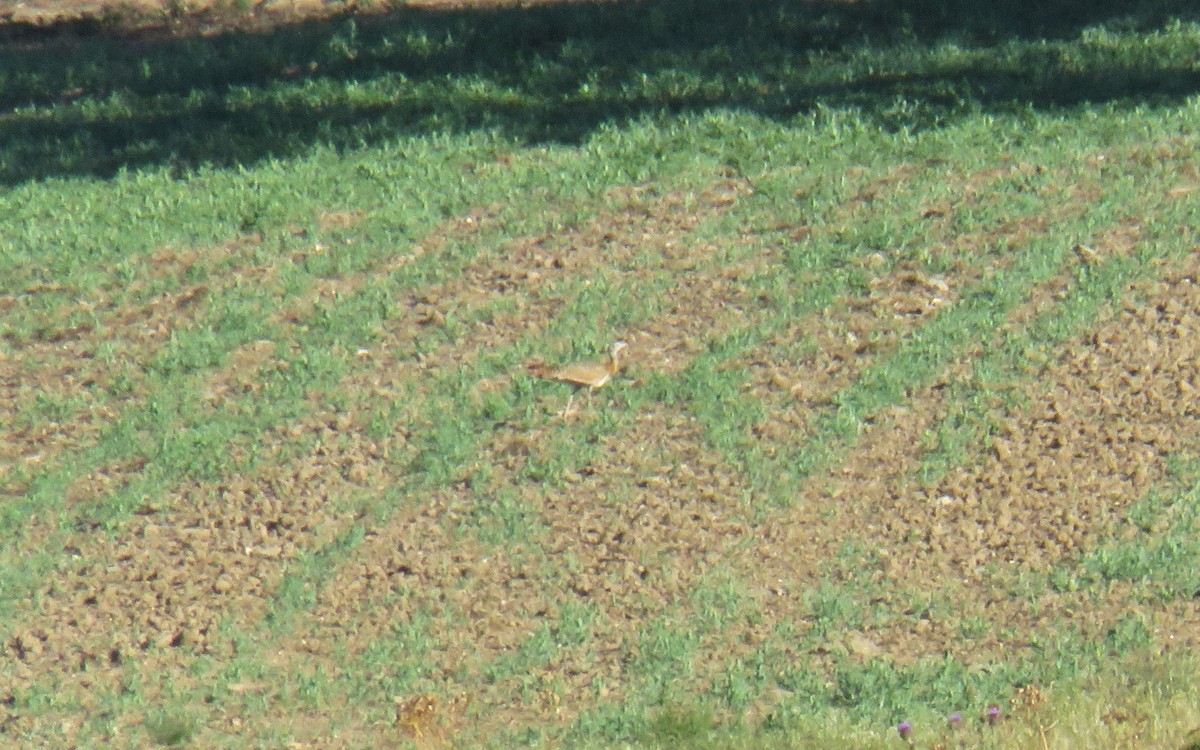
(590, 375)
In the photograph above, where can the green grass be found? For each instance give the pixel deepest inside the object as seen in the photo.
(848, 122)
(1158, 553)
(1146, 705)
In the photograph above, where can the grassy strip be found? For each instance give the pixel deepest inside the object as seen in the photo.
(1162, 556)
(557, 73)
(1145, 700)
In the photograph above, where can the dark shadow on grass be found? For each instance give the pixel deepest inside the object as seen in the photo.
(83, 100)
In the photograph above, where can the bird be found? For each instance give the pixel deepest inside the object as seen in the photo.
(591, 375)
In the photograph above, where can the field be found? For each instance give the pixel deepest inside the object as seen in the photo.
(909, 424)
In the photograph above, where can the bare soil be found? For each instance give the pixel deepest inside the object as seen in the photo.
(205, 17)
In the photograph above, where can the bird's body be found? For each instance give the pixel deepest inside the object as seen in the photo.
(591, 375)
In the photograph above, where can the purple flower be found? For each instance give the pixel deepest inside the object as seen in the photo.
(905, 730)
(993, 715)
(954, 720)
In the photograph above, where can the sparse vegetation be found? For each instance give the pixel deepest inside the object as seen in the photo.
(905, 433)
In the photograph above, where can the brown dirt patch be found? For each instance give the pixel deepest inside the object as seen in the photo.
(646, 546)
(157, 591)
(192, 16)
(1103, 419)
(671, 512)
(155, 18)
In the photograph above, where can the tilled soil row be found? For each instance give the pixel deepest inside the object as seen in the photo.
(153, 18)
(246, 367)
(65, 362)
(634, 530)
(1102, 422)
(157, 591)
(857, 332)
